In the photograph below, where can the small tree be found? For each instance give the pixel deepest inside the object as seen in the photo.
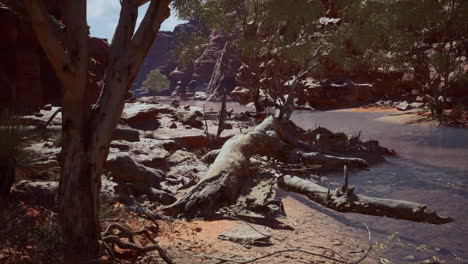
(156, 82)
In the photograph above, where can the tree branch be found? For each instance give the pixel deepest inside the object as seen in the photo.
(49, 41)
(144, 37)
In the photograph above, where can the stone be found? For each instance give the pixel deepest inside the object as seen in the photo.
(192, 120)
(143, 116)
(227, 126)
(246, 235)
(36, 193)
(403, 106)
(201, 96)
(157, 57)
(127, 134)
(242, 95)
(416, 105)
(124, 168)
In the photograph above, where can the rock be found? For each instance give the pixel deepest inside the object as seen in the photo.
(175, 103)
(143, 116)
(173, 125)
(188, 138)
(227, 126)
(416, 105)
(149, 152)
(157, 57)
(242, 95)
(224, 74)
(127, 134)
(187, 107)
(153, 194)
(192, 120)
(201, 96)
(25, 65)
(36, 193)
(185, 170)
(419, 99)
(124, 168)
(403, 106)
(246, 235)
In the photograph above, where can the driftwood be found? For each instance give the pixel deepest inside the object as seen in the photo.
(223, 183)
(344, 200)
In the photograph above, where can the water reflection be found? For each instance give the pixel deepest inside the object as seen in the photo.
(432, 169)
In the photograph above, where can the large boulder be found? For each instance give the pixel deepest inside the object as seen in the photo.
(143, 116)
(125, 169)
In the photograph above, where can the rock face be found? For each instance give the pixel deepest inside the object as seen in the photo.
(212, 72)
(325, 93)
(27, 80)
(158, 57)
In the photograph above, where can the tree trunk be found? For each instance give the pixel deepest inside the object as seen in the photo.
(345, 200)
(256, 100)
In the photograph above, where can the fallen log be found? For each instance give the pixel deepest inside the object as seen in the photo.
(223, 181)
(344, 200)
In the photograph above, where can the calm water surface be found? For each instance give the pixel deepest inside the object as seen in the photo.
(432, 168)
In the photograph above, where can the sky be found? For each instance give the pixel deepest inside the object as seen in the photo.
(103, 16)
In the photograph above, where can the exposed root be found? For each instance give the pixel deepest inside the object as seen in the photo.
(110, 238)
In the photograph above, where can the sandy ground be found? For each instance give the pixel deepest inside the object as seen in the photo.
(304, 227)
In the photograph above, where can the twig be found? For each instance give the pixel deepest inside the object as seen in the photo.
(250, 260)
(370, 246)
(109, 237)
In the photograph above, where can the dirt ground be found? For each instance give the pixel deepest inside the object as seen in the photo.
(304, 227)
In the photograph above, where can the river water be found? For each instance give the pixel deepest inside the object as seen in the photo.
(431, 168)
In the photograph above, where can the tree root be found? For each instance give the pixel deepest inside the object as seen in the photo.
(109, 238)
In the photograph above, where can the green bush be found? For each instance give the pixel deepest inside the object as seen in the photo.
(156, 82)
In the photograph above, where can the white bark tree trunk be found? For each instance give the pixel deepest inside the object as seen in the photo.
(87, 131)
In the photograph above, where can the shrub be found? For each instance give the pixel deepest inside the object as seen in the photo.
(156, 82)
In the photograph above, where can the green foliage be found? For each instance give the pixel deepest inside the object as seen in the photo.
(156, 82)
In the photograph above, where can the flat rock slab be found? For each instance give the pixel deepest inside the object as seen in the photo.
(246, 235)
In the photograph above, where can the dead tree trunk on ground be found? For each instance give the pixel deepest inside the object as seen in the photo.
(224, 179)
(347, 202)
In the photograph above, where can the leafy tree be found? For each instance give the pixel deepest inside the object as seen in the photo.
(156, 82)
(425, 38)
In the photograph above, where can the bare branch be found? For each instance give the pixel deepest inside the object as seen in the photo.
(141, 42)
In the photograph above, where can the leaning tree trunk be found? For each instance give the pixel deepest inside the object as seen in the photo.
(87, 130)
